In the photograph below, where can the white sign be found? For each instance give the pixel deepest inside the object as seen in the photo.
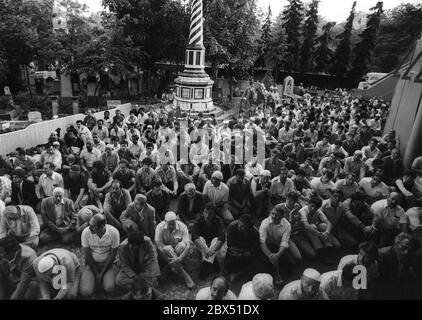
(7, 91)
(113, 103)
(288, 86)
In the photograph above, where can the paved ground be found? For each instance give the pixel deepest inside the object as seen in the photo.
(174, 288)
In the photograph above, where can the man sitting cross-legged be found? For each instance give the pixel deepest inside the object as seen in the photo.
(137, 259)
(59, 217)
(208, 237)
(172, 240)
(100, 242)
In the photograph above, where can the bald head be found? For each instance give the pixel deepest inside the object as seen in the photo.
(97, 223)
(219, 288)
(394, 199)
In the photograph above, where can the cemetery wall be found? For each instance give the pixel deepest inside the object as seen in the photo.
(38, 133)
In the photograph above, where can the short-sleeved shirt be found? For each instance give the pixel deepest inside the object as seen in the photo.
(315, 218)
(278, 235)
(390, 218)
(221, 193)
(281, 189)
(323, 189)
(171, 238)
(89, 157)
(48, 184)
(101, 248)
(379, 191)
(76, 184)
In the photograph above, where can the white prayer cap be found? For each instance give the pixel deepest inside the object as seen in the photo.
(45, 264)
(312, 274)
(262, 286)
(266, 173)
(218, 175)
(170, 216)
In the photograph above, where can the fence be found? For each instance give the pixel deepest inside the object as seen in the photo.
(38, 133)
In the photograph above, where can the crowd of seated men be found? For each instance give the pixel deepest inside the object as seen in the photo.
(119, 189)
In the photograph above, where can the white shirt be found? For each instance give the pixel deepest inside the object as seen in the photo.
(101, 248)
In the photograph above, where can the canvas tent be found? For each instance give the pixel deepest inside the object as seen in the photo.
(405, 115)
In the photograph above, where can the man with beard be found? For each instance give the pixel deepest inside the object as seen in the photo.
(89, 155)
(280, 187)
(100, 130)
(137, 259)
(359, 216)
(116, 201)
(219, 290)
(49, 180)
(354, 164)
(307, 288)
(389, 220)
(239, 194)
(98, 143)
(348, 185)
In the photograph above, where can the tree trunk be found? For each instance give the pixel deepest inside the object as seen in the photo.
(28, 83)
(138, 85)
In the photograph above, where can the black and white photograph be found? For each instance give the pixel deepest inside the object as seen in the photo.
(190, 150)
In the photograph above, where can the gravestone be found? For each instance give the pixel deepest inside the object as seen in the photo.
(55, 106)
(66, 93)
(75, 105)
(7, 91)
(288, 85)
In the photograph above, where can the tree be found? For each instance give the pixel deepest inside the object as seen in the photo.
(22, 33)
(278, 50)
(231, 28)
(309, 32)
(365, 47)
(265, 42)
(292, 17)
(323, 53)
(342, 54)
(399, 29)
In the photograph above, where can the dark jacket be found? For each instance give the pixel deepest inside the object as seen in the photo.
(29, 197)
(145, 219)
(183, 206)
(48, 213)
(145, 261)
